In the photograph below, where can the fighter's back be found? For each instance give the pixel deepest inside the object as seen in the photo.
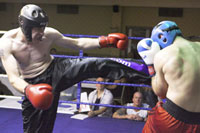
(181, 68)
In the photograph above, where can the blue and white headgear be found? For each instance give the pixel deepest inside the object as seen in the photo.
(31, 16)
(165, 32)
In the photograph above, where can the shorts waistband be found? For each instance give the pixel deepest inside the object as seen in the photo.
(181, 114)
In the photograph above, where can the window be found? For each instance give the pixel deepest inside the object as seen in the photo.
(170, 12)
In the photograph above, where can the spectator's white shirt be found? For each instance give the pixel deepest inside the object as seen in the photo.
(106, 98)
(141, 113)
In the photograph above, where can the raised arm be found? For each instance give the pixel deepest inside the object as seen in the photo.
(117, 40)
(67, 42)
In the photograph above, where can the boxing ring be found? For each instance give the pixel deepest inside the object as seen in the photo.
(11, 122)
(68, 120)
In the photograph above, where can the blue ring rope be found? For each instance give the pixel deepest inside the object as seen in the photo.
(95, 36)
(121, 84)
(105, 105)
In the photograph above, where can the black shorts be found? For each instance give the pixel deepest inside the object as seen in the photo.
(181, 114)
(63, 73)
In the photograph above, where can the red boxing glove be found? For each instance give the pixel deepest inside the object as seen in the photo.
(40, 95)
(117, 40)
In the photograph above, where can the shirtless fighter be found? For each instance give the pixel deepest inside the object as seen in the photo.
(41, 77)
(176, 62)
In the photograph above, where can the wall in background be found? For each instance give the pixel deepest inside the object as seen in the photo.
(101, 19)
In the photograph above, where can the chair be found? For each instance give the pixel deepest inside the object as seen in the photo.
(122, 98)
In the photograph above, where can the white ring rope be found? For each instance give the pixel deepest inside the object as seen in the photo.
(11, 97)
(2, 31)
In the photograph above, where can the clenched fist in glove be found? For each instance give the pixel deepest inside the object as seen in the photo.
(117, 40)
(40, 95)
(147, 49)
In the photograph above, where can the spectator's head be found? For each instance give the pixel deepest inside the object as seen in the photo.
(100, 86)
(137, 99)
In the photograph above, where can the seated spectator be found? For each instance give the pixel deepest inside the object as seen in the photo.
(133, 114)
(100, 96)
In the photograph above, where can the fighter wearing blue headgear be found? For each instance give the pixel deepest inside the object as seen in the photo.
(165, 32)
(163, 35)
(174, 63)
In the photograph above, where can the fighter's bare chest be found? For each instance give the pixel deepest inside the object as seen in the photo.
(28, 53)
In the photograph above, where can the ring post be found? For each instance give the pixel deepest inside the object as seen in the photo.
(79, 86)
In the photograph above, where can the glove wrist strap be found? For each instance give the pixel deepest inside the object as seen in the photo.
(151, 70)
